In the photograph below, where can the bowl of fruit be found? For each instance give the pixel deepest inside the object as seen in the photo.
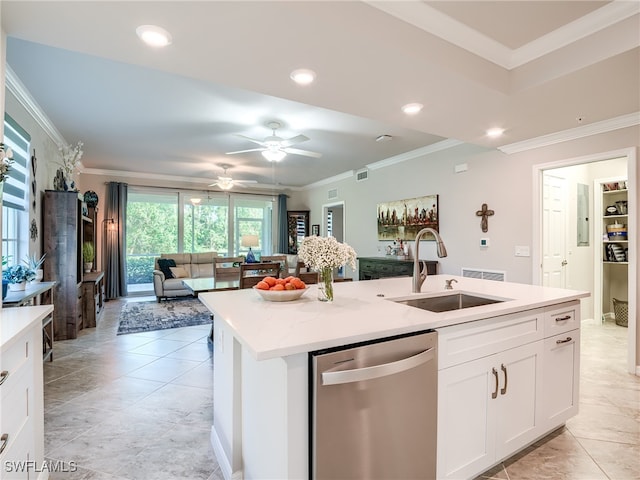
(287, 289)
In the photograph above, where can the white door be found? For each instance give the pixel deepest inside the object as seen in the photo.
(554, 227)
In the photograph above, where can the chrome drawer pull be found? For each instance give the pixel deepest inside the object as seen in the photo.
(3, 376)
(562, 319)
(4, 439)
(566, 340)
(495, 392)
(503, 391)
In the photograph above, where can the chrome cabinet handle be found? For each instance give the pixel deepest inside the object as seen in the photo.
(562, 319)
(566, 340)
(503, 391)
(3, 376)
(4, 439)
(495, 392)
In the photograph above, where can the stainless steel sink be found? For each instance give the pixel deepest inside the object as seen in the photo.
(446, 303)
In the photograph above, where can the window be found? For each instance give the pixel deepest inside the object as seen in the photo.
(15, 197)
(168, 221)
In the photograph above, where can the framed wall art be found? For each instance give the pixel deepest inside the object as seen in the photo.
(403, 219)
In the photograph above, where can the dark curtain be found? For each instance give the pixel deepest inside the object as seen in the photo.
(283, 230)
(115, 266)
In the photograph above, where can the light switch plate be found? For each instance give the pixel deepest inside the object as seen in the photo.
(522, 251)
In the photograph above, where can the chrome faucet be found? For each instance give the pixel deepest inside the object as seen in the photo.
(447, 284)
(420, 276)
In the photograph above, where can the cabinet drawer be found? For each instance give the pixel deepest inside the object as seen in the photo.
(462, 343)
(561, 318)
(15, 403)
(15, 358)
(19, 450)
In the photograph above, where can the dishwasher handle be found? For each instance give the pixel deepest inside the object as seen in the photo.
(369, 373)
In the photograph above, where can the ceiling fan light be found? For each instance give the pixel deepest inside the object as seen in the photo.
(274, 155)
(303, 76)
(153, 35)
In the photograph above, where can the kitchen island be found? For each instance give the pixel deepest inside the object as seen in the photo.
(261, 367)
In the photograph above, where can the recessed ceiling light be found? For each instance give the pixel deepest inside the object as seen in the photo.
(495, 132)
(412, 108)
(153, 35)
(303, 76)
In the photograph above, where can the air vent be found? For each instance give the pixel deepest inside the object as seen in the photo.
(362, 175)
(333, 193)
(497, 275)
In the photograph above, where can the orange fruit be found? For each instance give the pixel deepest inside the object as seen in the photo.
(289, 286)
(262, 285)
(289, 278)
(269, 281)
(280, 281)
(278, 286)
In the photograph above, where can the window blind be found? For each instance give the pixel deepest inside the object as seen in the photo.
(15, 192)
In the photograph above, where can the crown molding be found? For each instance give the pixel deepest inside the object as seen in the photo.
(431, 20)
(17, 88)
(623, 121)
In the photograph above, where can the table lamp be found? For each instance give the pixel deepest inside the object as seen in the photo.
(250, 241)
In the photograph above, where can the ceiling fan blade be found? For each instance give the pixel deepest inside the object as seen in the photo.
(294, 140)
(245, 181)
(259, 142)
(245, 151)
(306, 153)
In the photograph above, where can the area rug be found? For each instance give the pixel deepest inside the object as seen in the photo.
(137, 317)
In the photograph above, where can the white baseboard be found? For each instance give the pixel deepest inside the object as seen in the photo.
(223, 461)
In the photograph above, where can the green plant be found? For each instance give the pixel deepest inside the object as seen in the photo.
(88, 253)
(32, 262)
(18, 274)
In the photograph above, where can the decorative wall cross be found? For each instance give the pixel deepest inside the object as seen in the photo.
(485, 213)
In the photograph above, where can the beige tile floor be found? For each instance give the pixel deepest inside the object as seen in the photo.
(140, 407)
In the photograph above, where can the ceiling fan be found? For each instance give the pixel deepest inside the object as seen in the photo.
(274, 148)
(227, 183)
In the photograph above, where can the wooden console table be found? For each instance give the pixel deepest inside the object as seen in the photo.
(371, 268)
(92, 298)
(39, 293)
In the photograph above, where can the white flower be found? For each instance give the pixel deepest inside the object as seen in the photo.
(6, 159)
(326, 252)
(71, 156)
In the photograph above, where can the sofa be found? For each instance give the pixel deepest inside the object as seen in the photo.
(167, 279)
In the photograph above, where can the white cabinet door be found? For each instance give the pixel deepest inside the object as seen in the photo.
(488, 409)
(466, 419)
(561, 372)
(519, 414)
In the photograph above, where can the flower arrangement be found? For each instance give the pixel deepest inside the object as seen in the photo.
(18, 274)
(324, 254)
(6, 159)
(71, 155)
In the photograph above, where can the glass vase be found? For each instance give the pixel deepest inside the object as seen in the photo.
(325, 285)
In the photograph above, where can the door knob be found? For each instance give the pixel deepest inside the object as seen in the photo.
(564, 263)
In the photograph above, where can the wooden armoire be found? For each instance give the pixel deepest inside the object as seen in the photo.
(62, 225)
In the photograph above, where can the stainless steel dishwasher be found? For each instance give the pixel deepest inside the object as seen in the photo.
(374, 408)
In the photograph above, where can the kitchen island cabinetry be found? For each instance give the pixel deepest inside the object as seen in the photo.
(21, 392)
(261, 420)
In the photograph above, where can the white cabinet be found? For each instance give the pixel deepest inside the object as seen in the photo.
(487, 410)
(21, 393)
(502, 385)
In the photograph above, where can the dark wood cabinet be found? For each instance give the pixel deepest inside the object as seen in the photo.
(371, 268)
(92, 298)
(62, 242)
(297, 228)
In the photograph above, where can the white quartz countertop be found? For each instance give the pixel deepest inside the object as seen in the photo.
(362, 311)
(15, 320)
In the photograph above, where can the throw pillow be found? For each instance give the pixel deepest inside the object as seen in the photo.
(179, 272)
(165, 265)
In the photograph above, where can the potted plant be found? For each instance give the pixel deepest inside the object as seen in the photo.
(5, 283)
(88, 255)
(34, 263)
(18, 276)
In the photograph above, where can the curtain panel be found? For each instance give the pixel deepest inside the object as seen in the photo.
(115, 258)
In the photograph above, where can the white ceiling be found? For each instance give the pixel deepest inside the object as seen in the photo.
(531, 67)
